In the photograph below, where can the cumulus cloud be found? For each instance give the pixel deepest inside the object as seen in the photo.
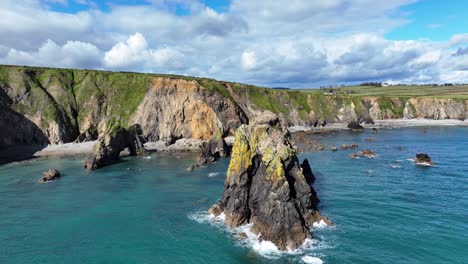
(134, 53)
(71, 54)
(284, 42)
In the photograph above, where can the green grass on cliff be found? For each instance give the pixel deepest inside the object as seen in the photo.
(455, 91)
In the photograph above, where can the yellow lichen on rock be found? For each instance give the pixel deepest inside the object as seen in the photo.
(241, 156)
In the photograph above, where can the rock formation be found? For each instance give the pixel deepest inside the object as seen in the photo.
(107, 150)
(423, 159)
(49, 175)
(212, 151)
(354, 125)
(266, 187)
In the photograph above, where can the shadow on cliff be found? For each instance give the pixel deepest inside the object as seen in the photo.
(19, 137)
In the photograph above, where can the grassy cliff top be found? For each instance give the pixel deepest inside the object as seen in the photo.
(452, 91)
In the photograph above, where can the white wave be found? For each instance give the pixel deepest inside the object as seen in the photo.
(395, 166)
(320, 225)
(311, 260)
(147, 157)
(246, 238)
(214, 174)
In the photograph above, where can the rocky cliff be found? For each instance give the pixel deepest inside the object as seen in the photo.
(42, 105)
(266, 187)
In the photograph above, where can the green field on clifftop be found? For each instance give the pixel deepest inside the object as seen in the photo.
(455, 91)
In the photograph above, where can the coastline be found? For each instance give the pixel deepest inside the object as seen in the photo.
(385, 123)
(193, 145)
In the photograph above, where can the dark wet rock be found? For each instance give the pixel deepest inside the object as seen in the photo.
(307, 171)
(212, 151)
(50, 175)
(106, 150)
(89, 134)
(266, 187)
(375, 131)
(354, 125)
(423, 159)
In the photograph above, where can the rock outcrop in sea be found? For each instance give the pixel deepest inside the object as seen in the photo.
(423, 159)
(49, 175)
(106, 150)
(266, 187)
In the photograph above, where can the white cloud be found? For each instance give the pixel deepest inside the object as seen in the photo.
(134, 52)
(71, 54)
(283, 42)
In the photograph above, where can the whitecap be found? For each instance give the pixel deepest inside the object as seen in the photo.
(319, 225)
(214, 174)
(311, 260)
(395, 166)
(246, 238)
(147, 157)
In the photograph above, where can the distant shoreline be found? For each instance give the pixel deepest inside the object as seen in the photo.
(386, 123)
(188, 145)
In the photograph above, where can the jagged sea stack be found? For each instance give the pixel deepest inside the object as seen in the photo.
(106, 150)
(265, 185)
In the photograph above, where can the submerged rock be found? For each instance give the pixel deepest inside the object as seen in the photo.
(107, 150)
(423, 159)
(266, 187)
(49, 175)
(366, 153)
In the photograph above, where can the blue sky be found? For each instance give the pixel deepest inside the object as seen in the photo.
(433, 19)
(296, 43)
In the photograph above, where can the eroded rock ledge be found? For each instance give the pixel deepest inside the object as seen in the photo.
(266, 186)
(106, 150)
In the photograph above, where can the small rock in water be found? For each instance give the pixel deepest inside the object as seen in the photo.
(49, 175)
(366, 153)
(353, 146)
(334, 149)
(423, 159)
(353, 156)
(375, 131)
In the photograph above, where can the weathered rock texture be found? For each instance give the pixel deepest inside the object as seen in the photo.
(212, 151)
(265, 185)
(50, 175)
(107, 150)
(423, 159)
(62, 105)
(177, 108)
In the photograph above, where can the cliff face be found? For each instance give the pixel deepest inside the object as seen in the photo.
(176, 108)
(57, 105)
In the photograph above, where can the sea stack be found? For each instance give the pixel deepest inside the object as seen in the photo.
(266, 187)
(106, 150)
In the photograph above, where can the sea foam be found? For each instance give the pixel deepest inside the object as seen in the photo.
(246, 238)
(311, 260)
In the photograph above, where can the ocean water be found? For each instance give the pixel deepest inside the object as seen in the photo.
(152, 210)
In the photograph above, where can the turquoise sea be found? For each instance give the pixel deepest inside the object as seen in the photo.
(152, 210)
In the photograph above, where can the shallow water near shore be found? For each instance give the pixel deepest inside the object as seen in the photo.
(152, 210)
